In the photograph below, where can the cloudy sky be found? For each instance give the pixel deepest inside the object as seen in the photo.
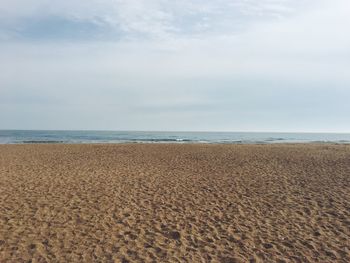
(202, 65)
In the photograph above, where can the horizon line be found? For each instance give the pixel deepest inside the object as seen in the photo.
(174, 131)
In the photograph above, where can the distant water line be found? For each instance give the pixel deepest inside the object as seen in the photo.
(27, 136)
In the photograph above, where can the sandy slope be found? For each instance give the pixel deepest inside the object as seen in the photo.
(175, 203)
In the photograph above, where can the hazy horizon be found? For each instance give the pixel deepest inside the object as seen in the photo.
(179, 131)
(160, 65)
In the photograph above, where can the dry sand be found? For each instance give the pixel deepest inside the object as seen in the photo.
(174, 203)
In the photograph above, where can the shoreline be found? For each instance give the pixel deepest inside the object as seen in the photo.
(119, 137)
(177, 143)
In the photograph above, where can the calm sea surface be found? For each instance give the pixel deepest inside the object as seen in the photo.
(23, 136)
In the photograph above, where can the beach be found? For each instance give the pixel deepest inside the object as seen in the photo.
(174, 203)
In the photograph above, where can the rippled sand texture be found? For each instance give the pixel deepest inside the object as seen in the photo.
(175, 203)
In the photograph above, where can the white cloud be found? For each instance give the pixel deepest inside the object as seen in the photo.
(153, 18)
(222, 64)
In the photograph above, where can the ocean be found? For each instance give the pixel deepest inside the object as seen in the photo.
(27, 136)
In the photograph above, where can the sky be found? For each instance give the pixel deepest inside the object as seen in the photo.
(165, 65)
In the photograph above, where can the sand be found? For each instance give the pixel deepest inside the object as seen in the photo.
(174, 203)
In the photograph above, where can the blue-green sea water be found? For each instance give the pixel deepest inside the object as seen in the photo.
(27, 136)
